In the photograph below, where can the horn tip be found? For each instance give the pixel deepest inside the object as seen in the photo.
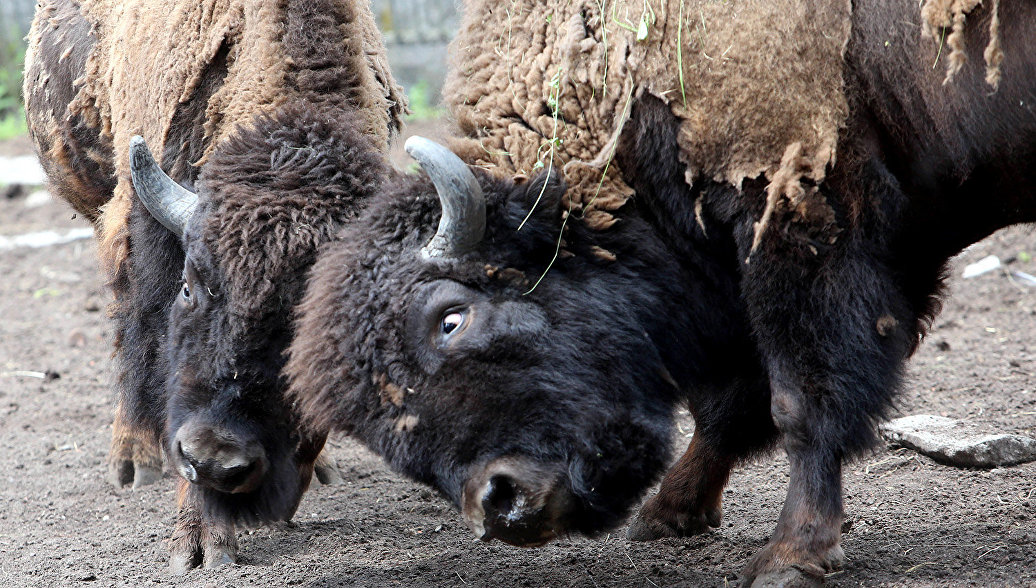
(415, 143)
(139, 153)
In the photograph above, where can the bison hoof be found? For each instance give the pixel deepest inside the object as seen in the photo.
(187, 555)
(787, 578)
(327, 471)
(767, 570)
(651, 524)
(216, 557)
(125, 472)
(183, 561)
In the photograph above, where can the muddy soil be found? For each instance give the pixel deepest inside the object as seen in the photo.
(913, 522)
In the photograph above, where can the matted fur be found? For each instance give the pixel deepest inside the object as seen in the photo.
(757, 78)
(279, 190)
(939, 15)
(150, 57)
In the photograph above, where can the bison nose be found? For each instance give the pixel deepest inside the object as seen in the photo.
(503, 499)
(218, 459)
(516, 502)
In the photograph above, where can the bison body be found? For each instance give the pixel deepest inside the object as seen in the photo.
(531, 377)
(276, 115)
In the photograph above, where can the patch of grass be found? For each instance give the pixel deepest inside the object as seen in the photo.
(422, 105)
(12, 59)
(13, 125)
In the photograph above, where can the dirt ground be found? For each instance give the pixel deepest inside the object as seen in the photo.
(913, 522)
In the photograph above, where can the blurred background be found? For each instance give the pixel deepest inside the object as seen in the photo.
(416, 35)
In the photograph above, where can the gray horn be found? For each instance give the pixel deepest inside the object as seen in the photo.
(463, 222)
(170, 203)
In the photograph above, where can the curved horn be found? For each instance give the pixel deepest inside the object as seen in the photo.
(170, 203)
(463, 222)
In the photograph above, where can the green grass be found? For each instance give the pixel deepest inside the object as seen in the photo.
(422, 106)
(12, 59)
(13, 125)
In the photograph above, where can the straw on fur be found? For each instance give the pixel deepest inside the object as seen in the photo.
(517, 64)
(939, 15)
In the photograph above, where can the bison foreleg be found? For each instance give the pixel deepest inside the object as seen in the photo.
(731, 423)
(834, 329)
(197, 540)
(689, 499)
(135, 456)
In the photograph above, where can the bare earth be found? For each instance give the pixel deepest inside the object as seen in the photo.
(913, 522)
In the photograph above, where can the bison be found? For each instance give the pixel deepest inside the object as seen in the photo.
(271, 120)
(491, 337)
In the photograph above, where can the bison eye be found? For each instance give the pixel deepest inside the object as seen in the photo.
(185, 291)
(451, 322)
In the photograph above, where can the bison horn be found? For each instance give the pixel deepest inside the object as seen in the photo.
(463, 222)
(170, 203)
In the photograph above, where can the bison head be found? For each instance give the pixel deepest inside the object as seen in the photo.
(508, 357)
(267, 198)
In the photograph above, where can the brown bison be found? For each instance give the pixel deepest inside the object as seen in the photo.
(525, 356)
(270, 119)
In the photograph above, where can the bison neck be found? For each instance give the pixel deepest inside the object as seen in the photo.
(706, 342)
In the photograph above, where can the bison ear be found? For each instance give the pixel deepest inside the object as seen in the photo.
(540, 199)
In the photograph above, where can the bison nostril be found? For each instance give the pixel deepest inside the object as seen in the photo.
(187, 464)
(501, 498)
(237, 476)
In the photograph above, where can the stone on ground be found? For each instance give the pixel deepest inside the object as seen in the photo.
(958, 444)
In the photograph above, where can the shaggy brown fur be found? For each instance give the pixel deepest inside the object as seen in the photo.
(277, 194)
(538, 84)
(253, 41)
(939, 15)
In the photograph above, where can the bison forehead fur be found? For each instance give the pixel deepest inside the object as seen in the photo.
(276, 191)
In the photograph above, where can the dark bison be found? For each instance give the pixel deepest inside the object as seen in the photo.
(276, 116)
(501, 349)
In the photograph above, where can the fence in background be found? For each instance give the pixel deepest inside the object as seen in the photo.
(416, 35)
(15, 16)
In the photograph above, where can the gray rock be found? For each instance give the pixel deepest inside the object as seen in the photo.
(958, 444)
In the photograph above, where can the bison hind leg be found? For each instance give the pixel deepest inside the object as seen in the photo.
(731, 424)
(327, 470)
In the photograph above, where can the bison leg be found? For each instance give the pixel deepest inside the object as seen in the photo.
(689, 499)
(327, 470)
(834, 328)
(197, 540)
(135, 456)
(730, 424)
(806, 544)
